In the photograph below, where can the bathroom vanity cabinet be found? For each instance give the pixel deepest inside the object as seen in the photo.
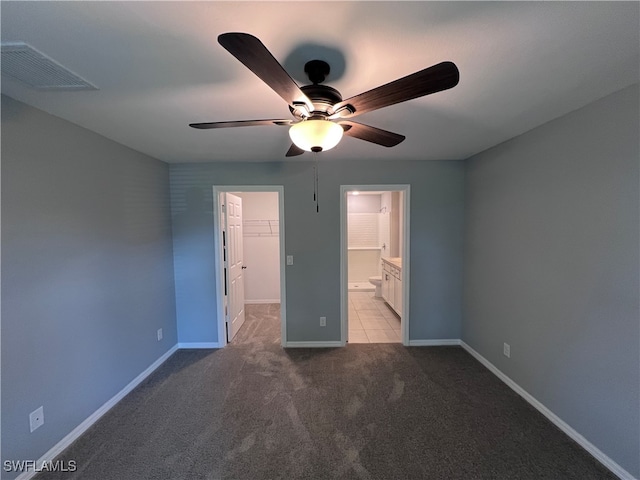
(392, 283)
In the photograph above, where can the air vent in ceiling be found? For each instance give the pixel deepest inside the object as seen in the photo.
(34, 68)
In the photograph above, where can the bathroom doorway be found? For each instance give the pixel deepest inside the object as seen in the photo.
(249, 254)
(375, 263)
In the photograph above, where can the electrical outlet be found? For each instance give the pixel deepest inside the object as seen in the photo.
(507, 350)
(289, 259)
(36, 418)
(159, 334)
(323, 321)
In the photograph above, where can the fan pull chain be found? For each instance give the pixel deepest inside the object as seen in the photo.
(316, 193)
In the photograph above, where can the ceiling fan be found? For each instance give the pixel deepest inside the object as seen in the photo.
(320, 115)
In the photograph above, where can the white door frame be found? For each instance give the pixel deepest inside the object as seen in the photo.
(217, 243)
(406, 264)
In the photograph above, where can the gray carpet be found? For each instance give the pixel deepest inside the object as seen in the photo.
(373, 411)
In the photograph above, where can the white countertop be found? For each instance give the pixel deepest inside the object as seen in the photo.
(395, 261)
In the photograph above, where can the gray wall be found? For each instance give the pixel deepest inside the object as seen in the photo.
(551, 267)
(86, 273)
(313, 282)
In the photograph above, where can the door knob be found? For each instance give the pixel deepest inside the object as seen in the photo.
(243, 267)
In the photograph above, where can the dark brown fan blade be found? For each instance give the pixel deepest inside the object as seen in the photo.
(371, 134)
(294, 151)
(240, 123)
(434, 79)
(255, 56)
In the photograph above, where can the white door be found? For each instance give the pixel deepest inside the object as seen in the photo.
(234, 264)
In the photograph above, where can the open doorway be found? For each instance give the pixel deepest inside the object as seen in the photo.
(249, 250)
(375, 263)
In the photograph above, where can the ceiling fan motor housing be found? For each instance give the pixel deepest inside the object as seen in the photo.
(323, 98)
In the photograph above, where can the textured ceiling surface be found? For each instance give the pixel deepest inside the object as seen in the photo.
(158, 67)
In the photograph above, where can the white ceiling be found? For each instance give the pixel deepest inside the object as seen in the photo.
(159, 67)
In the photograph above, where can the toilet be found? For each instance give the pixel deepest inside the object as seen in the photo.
(377, 282)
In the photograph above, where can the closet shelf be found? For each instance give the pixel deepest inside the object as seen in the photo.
(260, 228)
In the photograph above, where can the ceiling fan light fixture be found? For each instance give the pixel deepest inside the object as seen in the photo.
(316, 135)
(314, 107)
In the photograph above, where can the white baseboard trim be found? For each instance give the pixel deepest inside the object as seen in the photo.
(329, 344)
(188, 345)
(445, 342)
(260, 302)
(72, 436)
(561, 424)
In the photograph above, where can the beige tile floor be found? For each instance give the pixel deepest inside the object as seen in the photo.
(371, 320)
